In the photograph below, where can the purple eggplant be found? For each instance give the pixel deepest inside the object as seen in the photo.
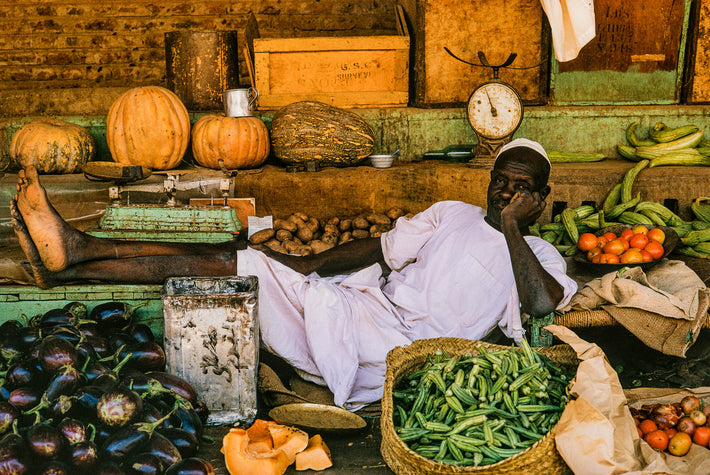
(191, 466)
(56, 317)
(152, 414)
(55, 352)
(4, 392)
(113, 315)
(83, 456)
(109, 468)
(8, 415)
(44, 441)
(28, 336)
(86, 399)
(124, 442)
(187, 419)
(14, 458)
(69, 333)
(202, 411)
(78, 309)
(22, 373)
(164, 449)
(147, 356)
(176, 384)
(185, 441)
(55, 467)
(24, 398)
(73, 430)
(140, 332)
(143, 463)
(93, 369)
(118, 407)
(110, 378)
(89, 328)
(101, 345)
(65, 381)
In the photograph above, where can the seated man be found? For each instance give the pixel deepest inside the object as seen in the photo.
(456, 271)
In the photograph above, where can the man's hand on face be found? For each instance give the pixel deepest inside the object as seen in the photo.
(524, 208)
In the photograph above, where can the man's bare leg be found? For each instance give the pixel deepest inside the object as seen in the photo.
(137, 270)
(60, 245)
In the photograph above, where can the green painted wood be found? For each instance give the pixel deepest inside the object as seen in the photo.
(634, 86)
(18, 300)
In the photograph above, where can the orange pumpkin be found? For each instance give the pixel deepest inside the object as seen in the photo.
(240, 142)
(148, 126)
(52, 146)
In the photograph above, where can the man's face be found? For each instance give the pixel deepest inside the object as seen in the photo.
(511, 176)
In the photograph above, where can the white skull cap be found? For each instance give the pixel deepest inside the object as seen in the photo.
(524, 143)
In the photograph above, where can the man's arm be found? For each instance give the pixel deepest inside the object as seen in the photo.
(342, 258)
(539, 292)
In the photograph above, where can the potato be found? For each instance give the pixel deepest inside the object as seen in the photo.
(409, 215)
(302, 216)
(313, 224)
(395, 212)
(331, 228)
(360, 223)
(329, 238)
(291, 245)
(274, 245)
(376, 230)
(304, 250)
(360, 233)
(285, 224)
(378, 219)
(345, 237)
(345, 225)
(284, 235)
(320, 246)
(334, 221)
(296, 220)
(304, 233)
(262, 236)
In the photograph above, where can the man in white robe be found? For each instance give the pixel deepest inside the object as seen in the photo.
(454, 270)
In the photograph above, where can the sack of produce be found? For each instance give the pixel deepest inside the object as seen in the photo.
(453, 405)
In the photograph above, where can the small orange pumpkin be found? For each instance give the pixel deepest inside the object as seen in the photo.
(240, 142)
(52, 146)
(148, 126)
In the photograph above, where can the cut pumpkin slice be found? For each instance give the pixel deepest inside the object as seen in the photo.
(316, 456)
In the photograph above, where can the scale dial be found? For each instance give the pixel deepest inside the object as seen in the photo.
(495, 110)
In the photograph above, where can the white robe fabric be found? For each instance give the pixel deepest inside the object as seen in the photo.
(451, 276)
(573, 25)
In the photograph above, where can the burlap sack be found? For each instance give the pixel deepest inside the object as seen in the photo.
(664, 307)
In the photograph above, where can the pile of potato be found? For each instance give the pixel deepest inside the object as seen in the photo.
(304, 235)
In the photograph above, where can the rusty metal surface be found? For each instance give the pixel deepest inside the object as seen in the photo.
(631, 60)
(212, 341)
(200, 65)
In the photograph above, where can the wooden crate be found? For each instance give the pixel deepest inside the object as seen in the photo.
(697, 79)
(354, 71)
(494, 27)
(636, 57)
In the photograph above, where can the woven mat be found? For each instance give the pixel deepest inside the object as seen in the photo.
(594, 318)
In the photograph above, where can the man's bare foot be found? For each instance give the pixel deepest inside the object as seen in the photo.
(43, 278)
(57, 243)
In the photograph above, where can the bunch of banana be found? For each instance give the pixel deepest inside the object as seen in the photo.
(622, 207)
(684, 145)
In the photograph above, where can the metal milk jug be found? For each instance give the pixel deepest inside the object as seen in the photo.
(239, 102)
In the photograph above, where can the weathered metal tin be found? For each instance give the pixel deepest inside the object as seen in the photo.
(200, 65)
(212, 341)
(637, 56)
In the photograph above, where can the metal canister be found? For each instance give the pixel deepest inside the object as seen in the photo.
(212, 341)
(200, 65)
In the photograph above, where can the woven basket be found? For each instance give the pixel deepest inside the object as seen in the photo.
(541, 457)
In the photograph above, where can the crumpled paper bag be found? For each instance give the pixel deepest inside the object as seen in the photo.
(597, 435)
(664, 307)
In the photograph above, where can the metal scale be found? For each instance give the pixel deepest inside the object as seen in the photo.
(171, 221)
(494, 111)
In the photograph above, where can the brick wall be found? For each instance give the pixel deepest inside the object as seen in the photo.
(75, 57)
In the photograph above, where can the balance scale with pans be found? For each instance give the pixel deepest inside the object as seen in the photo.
(213, 220)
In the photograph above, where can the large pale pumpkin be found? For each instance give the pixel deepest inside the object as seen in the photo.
(52, 146)
(148, 126)
(240, 142)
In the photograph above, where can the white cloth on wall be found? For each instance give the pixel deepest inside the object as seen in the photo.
(451, 276)
(573, 25)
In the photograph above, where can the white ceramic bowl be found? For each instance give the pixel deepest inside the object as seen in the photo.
(381, 161)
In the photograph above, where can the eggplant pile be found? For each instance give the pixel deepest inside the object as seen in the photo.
(87, 393)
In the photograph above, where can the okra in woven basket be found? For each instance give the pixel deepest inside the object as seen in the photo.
(413, 376)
